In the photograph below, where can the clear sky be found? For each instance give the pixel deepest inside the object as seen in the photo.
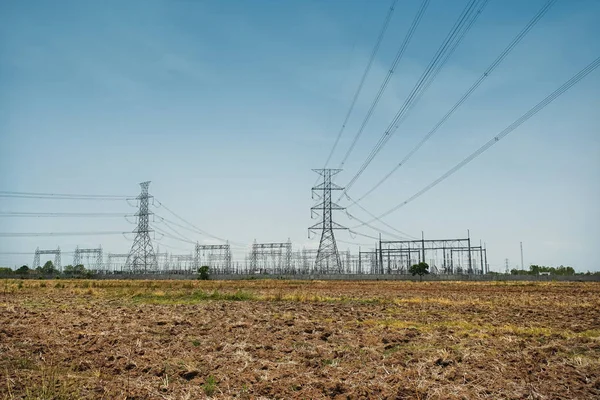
(226, 106)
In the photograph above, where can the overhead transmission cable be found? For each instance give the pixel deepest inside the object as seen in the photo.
(516, 40)
(353, 243)
(386, 81)
(175, 231)
(538, 107)
(35, 234)
(363, 235)
(464, 23)
(61, 196)
(403, 235)
(384, 28)
(62, 214)
(375, 228)
(171, 236)
(202, 232)
(17, 253)
(173, 247)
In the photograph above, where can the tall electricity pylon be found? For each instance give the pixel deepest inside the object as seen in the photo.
(328, 259)
(141, 256)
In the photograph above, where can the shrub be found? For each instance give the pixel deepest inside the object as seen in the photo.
(420, 269)
(203, 271)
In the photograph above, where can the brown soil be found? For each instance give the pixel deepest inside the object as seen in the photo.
(305, 340)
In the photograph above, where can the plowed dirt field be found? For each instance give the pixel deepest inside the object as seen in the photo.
(76, 339)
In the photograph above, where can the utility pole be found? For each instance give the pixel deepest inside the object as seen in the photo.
(469, 244)
(522, 266)
(487, 267)
(481, 258)
(141, 256)
(507, 270)
(423, 245)
(328, 258)
(381, 256)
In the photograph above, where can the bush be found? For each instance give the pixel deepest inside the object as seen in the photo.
(420, 269)
(203, 271)
(24, 270)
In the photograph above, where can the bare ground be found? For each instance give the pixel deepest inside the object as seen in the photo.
(280, 339)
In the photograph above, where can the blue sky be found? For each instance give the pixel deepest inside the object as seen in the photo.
(226, 106)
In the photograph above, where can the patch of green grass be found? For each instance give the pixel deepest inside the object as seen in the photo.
(239, 295)
(196, 343)
(210, 386)
(193, 297)
(19, 363)
(391, 350)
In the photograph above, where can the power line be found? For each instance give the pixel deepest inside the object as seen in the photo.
(538, 107)
(363, 223)
(466, 95)
(171, 236)
(16, 253)
(403, 235)
(363, 78)
(363, 235)
(4, 193)
(173, 247)
(53, 197)
(61, 214)
(388, 77)
(451, 42)
(202, 232)
(353, 243)
(35, 234)
(168, 225)
(170, 222)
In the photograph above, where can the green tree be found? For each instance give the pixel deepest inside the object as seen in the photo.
(562, 270)
(419, 269)
(203, 271)
(6, 270)
(537, 269)
(24, 270)
(49, 268)
(68, 270)
(79, 269)
(519, 272)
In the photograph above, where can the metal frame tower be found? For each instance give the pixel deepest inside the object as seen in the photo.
(110, 261)
(57, 261)
(216, 256)
(271, 258)
(141, 256)
(328, 257)
(97, 264)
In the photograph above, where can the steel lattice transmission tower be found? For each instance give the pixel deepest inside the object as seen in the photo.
(141, 256)
(328, 259)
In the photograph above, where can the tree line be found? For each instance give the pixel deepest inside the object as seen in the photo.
(48, 269)
(541, 269)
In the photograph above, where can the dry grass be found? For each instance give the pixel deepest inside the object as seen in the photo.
(276, 339)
